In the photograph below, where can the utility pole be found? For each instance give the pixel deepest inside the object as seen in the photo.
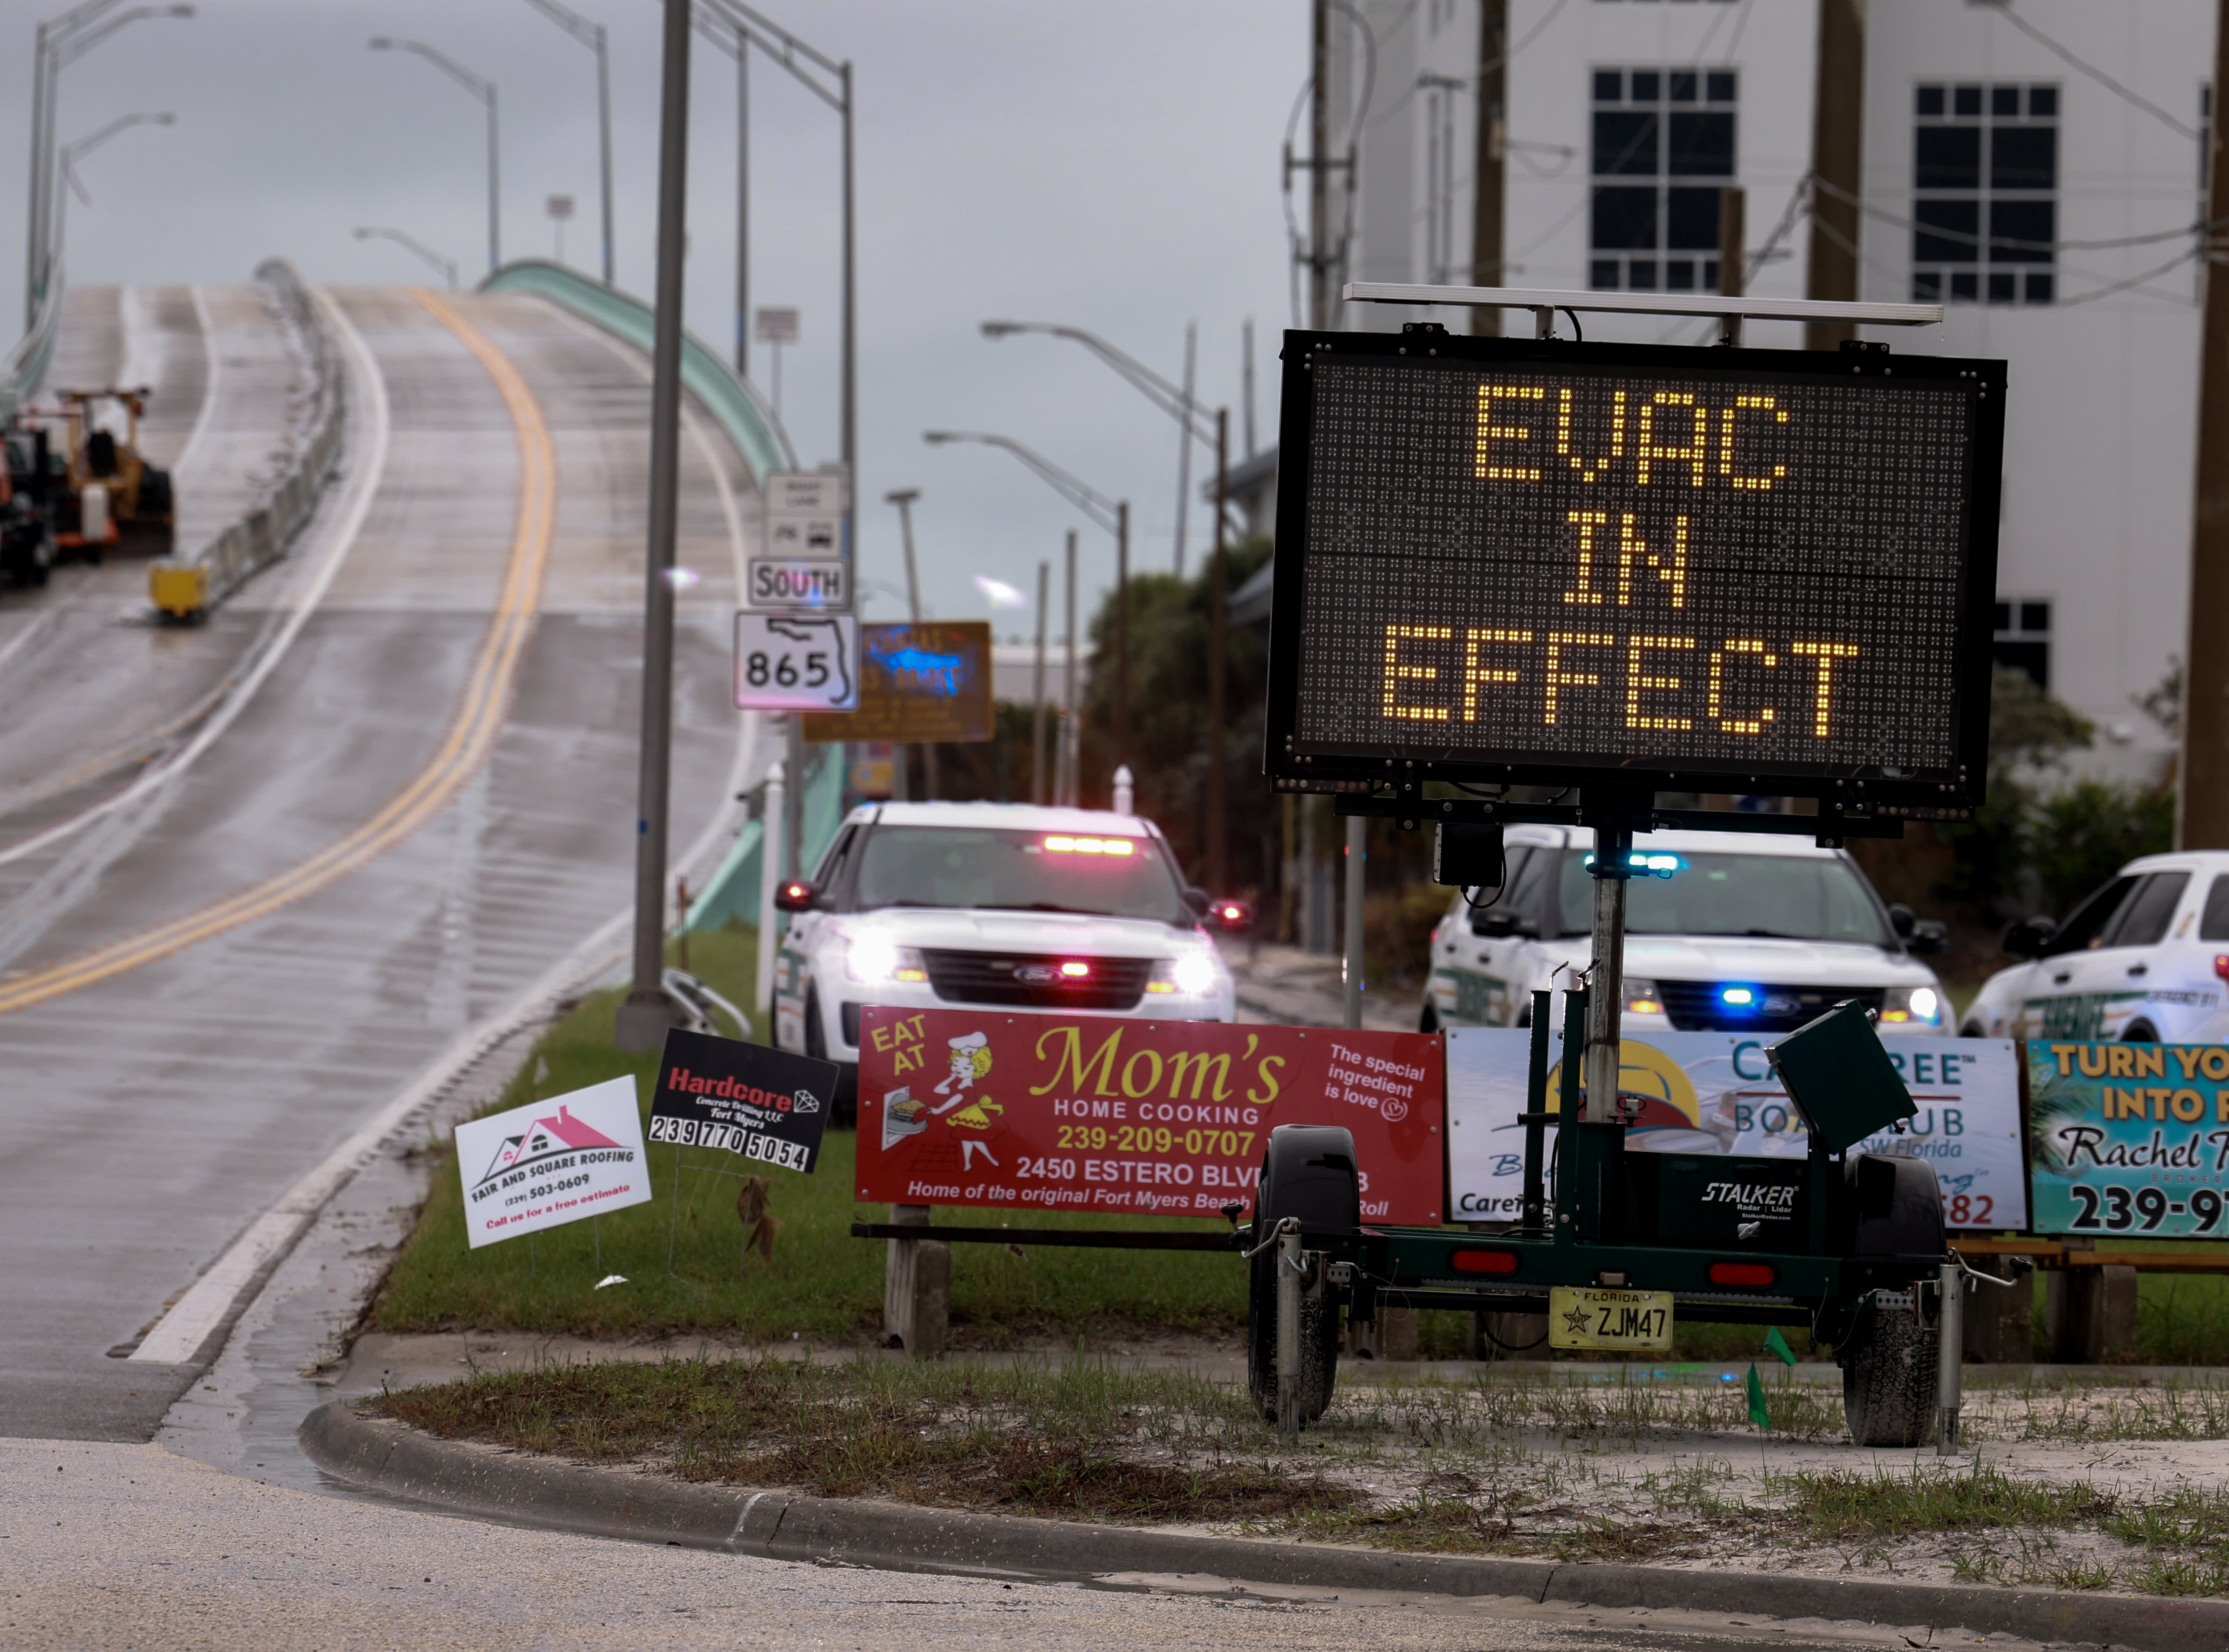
(1320, 171)
(1733, 243)
(2201, 814)
(1218, 867)
(645, 1014)
(1071, 747)
(1184, 443)
(903, 498)
(1246, 372)
(1122, 631)
(1487, 168)
(1837, 166)
(1037, 720)
(743, 206)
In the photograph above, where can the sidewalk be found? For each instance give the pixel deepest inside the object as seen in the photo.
(1284, 984)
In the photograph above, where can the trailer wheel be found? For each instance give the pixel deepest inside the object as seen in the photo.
(1307, 1170)
(1889, 1378)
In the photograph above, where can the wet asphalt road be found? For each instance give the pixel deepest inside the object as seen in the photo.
(150, 1116)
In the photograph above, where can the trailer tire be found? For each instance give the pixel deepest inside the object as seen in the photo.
(1889, 1378)
(1307, 1170)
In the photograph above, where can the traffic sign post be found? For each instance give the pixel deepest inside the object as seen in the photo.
(794, 662)
(1621, 569)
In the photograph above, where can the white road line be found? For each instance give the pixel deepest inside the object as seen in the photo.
(178, 1335)
(210, 373)
(366, 465)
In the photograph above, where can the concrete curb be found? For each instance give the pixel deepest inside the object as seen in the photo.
(391, 1458)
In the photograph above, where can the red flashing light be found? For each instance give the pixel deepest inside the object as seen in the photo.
(1075, 969)
(1484, 1262)
(1754, 1274)
(2221, 965)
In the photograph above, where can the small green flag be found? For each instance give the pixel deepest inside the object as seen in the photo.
(1776, 1343)
(1757, 1414)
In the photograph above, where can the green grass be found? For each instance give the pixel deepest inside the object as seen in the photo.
(1063, 1441)
(684, 1265)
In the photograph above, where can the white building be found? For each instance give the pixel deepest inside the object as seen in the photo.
(2051, 146)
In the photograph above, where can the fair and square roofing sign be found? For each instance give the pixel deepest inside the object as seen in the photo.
(552, 1162)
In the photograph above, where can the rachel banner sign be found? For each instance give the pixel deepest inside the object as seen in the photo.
(1531, 559)
(1093, 1113)
(552, 1162)
(2129, 1138)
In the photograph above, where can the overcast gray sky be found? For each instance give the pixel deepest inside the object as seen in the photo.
(1112, 166)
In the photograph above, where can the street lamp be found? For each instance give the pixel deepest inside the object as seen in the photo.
(485, 90)
(447, 266)
(903, 498)
(60, 42)
(86, 145)
(1176, 400)
(1114, 515)
(830, 81)
(591, 35)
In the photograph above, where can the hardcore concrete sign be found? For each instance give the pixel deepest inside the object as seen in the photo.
(762, 1103)
(1169, 1118)
(552, 1162)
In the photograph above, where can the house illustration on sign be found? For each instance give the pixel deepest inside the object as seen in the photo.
(544, 1138)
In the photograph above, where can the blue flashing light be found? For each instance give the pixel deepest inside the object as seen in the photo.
(1737, 998)
(1644, 863)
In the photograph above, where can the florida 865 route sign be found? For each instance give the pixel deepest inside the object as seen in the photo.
(797, 662)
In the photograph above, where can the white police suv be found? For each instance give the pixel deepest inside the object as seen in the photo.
(1744, 932)
(993, 905)
(2144, 958)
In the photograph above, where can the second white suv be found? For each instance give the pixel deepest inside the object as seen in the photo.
(2146, 958)
(1753, 932)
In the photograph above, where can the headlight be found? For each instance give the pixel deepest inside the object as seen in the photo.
(876, 958)
(1641, 998)
(1910, 1004)
(1191, 975)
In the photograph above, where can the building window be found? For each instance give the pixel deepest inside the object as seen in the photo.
(2023, 640)
(1663, 150)
(1985, 194)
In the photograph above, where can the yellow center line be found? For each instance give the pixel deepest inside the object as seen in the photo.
(471, 738)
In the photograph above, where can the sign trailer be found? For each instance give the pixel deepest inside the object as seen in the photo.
(1619, 569)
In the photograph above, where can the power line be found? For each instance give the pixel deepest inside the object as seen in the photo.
(2083, 66)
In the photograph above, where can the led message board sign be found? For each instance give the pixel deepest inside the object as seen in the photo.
(1533, 561)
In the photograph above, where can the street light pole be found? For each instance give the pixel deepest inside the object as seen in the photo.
(447, 266)
(86, 145)
(1218, 867)
(810, 68)
(591, 35)
(645, 1015)
(903, 498)
(484, 89)
(1112, 515)
(59, 43)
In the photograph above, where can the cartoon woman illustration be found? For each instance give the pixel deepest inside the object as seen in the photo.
(978, 1116)
(971, 1060)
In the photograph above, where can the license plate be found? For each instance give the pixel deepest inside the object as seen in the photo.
(1592, 1318)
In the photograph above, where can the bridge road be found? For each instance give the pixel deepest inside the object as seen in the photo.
(166, 1098)
(220, 377)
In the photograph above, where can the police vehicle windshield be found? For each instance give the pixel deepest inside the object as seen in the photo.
(1027, 872)
(1793, 897)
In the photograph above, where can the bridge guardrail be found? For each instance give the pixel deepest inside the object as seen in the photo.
(732, 403)
(190, 584)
